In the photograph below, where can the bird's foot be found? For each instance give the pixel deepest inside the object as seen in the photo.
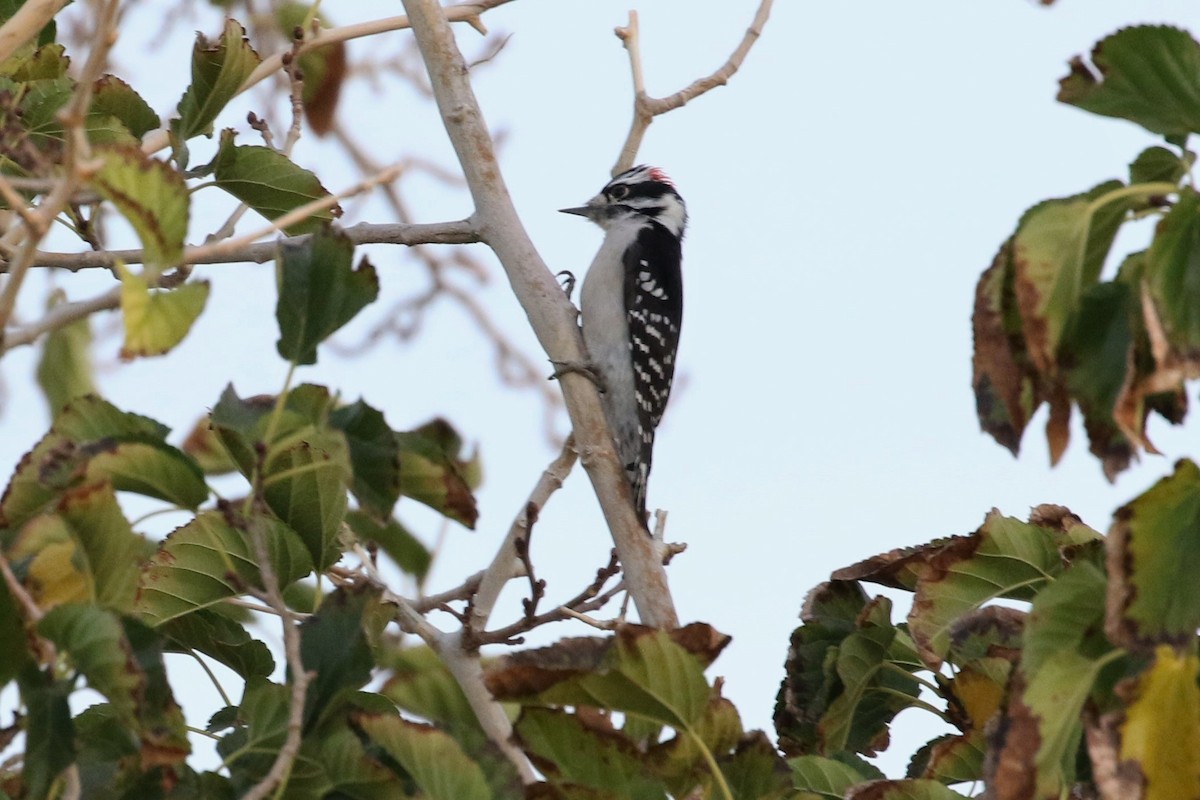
(583, 368)
(567, 278)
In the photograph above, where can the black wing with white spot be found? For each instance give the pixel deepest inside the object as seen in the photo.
(654, 310)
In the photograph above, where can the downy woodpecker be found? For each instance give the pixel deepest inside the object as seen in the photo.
(631, 307)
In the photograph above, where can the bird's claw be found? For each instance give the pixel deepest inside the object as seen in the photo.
(580, 368)
(568, 282)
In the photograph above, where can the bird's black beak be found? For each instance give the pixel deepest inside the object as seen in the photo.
(582, 211)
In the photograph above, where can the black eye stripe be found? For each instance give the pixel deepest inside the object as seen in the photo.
(647, 189)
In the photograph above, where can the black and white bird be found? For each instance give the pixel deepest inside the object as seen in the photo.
(631, 308)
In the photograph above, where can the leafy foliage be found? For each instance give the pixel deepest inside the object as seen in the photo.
(1048, 327)
(1062, 661)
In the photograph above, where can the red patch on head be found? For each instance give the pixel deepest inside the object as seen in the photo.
(657, 174)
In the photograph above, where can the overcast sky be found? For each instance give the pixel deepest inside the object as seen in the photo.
(846, 190)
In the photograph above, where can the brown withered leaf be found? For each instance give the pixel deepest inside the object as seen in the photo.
(1114, 778)
(528, 672)
(900, 568)
(324, 72)
(1013, 742)
(1003, 380)
(988, 632)
(1058, 426)
(1056, 517)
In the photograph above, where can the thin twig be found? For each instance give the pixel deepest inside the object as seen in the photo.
(466, 12)
(506, 564)
(76, 163)
(515, 368)
(272, 596)
(646, 108)
(25, 24)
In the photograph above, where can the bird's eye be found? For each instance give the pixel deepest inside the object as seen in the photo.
(618, 192)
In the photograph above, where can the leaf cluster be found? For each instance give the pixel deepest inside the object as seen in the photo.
(1051, 326)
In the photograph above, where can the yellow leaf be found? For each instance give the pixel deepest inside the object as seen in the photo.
(150, 195)
(52, 566)
(157, 319)
(1161, 734)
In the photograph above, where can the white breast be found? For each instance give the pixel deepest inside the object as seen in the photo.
(605, 329)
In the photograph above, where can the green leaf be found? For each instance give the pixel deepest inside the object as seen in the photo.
(569, 752)
(106, 750)
(1005, 558)
(40, 103)
(756, 771)
(207, 561)
(49, 732)
(435, 761)
(305, 485)
(828, 777)
(64, 369)
(374, 457)
(150, 195)
(1172, 267)
(263, 716)
(29, 63)
(810, 684)
(642, 673)
(1055, 696)
(334, 645)
(92, 440)
(1058, 250)
(1095, 356)
(205, 447)
(163, 729)
(1149, 75)
(395, 540)
(306, 468)
(1152, 552)
(951, 759)
(218, 72)
(95, 642)
(214, 634)
(113, 551)
(682, 762)
(270, 183)
(116, 98)
(1160, 165)
(342, 768)
(1067, 614)
(433, 472)
(156, 320)
(421, 684)
(870, 693)
(12, 629)
(319, 292)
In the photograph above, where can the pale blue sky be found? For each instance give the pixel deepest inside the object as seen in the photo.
(846, 190)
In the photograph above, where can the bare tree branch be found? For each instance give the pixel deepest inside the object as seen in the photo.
(456, 232)
(466, 12)
(300, 677)
(646, 108)
(25, 24)
(551, 315)
(506, 564)
(77, 166)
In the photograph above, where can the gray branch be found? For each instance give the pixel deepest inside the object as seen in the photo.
(456, 232)
(551, 315)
